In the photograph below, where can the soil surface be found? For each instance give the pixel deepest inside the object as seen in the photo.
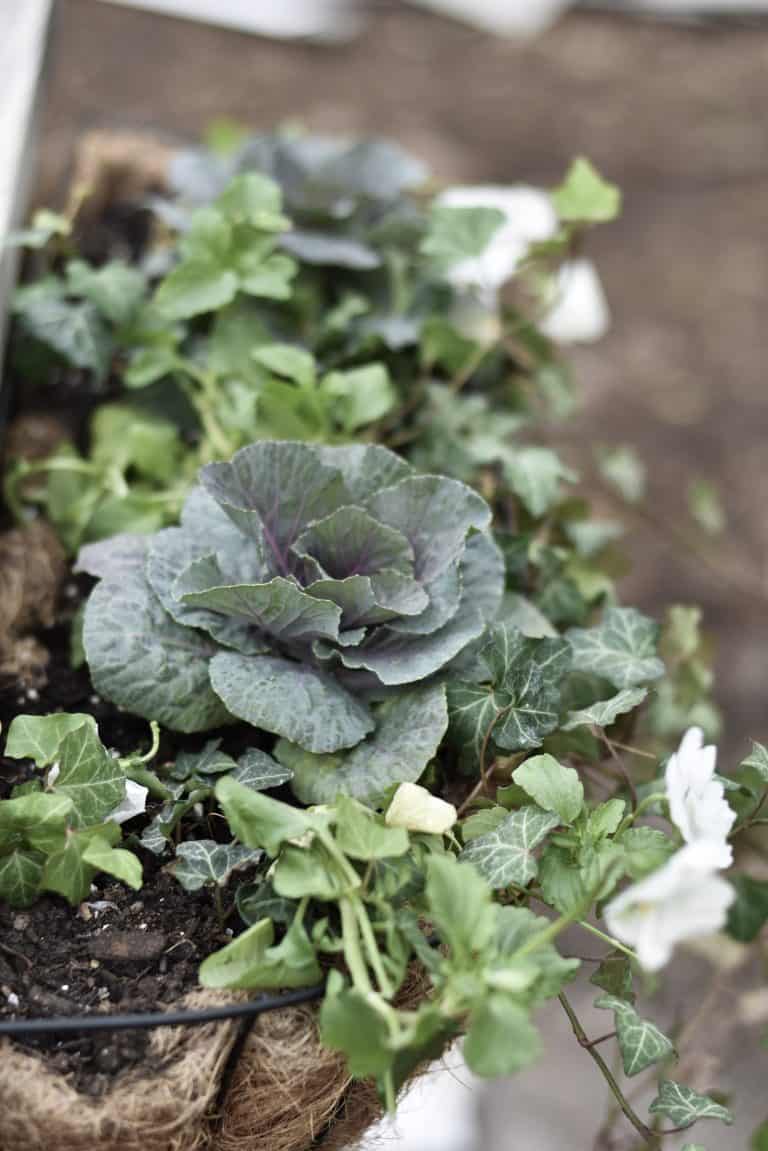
(122, 951)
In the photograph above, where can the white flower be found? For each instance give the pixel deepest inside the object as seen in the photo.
(684, 899)
(134, 803)
(578, 311)
(697, 804)
(416, 809)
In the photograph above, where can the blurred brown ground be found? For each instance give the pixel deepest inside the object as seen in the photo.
(675, 114)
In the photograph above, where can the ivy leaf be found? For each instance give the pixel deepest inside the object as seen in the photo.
(39, 817)
(621, 649)
(204, 861)
(89, 776)
(74, 331)
(457, 234)
(623, 470)
(123, 865)
(256, 901)
(361, 834)
(211, 760)
(260, 771)
(66, 871)
(683, 1106)
(552, 786)
(481, 822)
(756, 761)
(409, 730)
(749, 911)
(259, 821)
(505, 856)
(536, 476)
(20, 875)
(501, 1038)
(604, 712)
(585, 197)
(640, 1042)
(39, 737)
(516, 696)
(614, 975)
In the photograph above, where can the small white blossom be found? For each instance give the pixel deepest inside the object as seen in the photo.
(578, 310)
(416, 809)
(134, 803)
(697, 804)
(684, 899)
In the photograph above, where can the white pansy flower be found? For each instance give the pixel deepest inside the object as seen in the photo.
(684, 899)
(134, 803)
(416, 809)
(697, 804)
(578, 311)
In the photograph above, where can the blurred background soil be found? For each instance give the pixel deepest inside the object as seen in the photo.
(674, 113)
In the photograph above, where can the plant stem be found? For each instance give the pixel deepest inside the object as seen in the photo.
(645, 1133)
(606, 938)
(371, 948)
(352, 952)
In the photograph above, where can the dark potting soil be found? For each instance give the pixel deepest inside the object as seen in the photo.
(121, 951)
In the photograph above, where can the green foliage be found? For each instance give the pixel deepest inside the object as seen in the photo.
(684, 1106)
(640, 1042)
(584, 197)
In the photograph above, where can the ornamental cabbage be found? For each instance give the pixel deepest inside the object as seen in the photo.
(304, 587)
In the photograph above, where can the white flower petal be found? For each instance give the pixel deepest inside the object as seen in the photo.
(580, 313)
(416, 809)
(697, 803)
(684, 899)
(134, 803)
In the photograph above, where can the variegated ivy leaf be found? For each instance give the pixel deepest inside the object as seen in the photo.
(683, 1106)
(640, 1042)
(204, 861)
(757, 760)
(20, 874)
(621, 649)
(408, 732)
(210, 761)
(505, 856)
(515, 697)
(604, 712)
(39, 737)
(260, 771)
(89, 776)
(41, 818)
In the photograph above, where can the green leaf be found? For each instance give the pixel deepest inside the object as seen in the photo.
(279, 608)
(457, 234)
(614, 975)
(89, 776)
(260, 771)
(536, 476)
(624, 471)
(516, 701)
(748, 913)
(757, 760)
(251, 962)
(257, 820)
(39, 817)
(255, 200)
(268, 277)
(505, 856)
(351, 1024)
(66, 871)
(621, 649)
(116, 289)
(286, 360)
(683, 1106)
(481, 822)
(145, 662)
(361, 834)
(460, 906)
(408, 733)
(585, 197)
(645, 850)
(308, 871)
(351, 540)
(256, 901)
(501, 1038)
(76, 332)
(706, 506)
(211, 760)
(195, 286)
(604, 819)
(604, 712)
(204, 861)
(39, 737)
(640, 1042)
(362, 395)
(552, 786)
(20, 874)
(124, 865)
(45, 225)
(297, 701)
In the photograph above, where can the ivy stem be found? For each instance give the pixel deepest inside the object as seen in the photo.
(352, 951)
(649, 1137)
(643, 805)
(607, 938)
